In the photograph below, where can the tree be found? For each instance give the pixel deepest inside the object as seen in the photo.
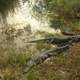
(64, 14)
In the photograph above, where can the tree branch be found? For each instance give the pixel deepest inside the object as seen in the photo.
(63, 43)
(42, 57)
(58, 40)
(68, 33)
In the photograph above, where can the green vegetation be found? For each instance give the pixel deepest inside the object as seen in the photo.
(6, 6)
(64, 15)
(62, 67)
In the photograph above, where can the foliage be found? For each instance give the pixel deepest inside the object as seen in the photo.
(6, 6)
(64, 13)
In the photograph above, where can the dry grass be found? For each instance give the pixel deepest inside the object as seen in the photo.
(65, 67)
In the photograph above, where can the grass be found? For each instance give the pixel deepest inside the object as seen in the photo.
(62, 67)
